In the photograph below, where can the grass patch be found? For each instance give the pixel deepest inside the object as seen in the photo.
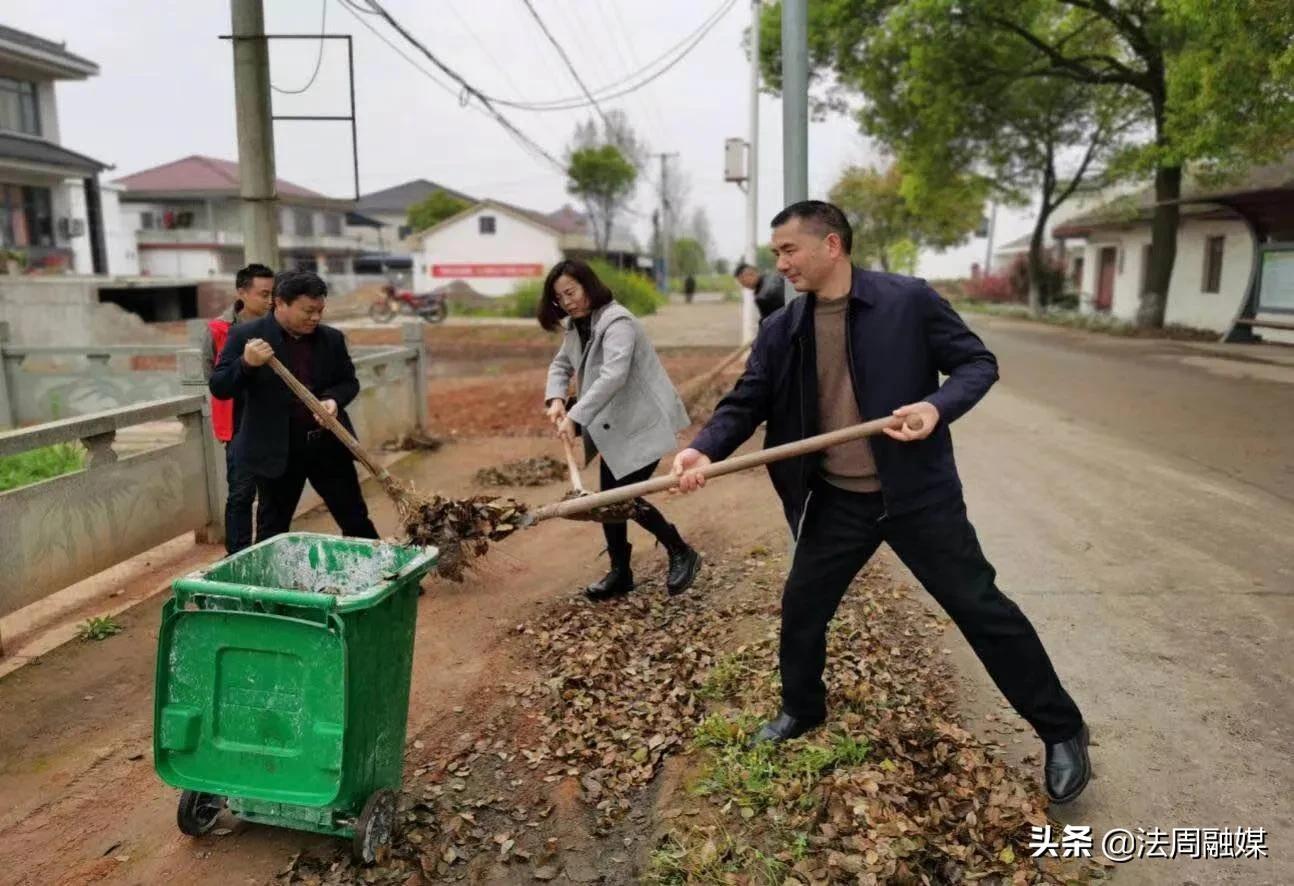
(26, 468)
(730, 674)
(98, 628)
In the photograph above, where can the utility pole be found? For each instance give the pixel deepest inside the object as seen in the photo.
(795, 105)
(748, 316)
(255, 133)
(665, 231)
(988, 244)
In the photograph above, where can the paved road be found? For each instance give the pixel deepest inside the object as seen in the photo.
(1137, 499)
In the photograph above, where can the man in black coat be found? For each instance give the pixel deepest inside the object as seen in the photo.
(279, 440)
(769, 290)
(857, 346)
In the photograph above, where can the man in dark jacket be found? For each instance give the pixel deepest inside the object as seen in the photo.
(769, 290)
(279, 440)
(254, 285)
(858, 346)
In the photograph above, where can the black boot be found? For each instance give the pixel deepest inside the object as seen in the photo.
(684, 562)
(619, 581)
(1068, 768)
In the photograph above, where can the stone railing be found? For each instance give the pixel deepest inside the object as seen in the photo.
(59, 531)
(43, 383)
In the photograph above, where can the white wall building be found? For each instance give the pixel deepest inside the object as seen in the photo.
(492, 246)
(1215, 258)
(53, 213)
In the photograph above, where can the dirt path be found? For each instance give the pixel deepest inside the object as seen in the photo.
(81, 800)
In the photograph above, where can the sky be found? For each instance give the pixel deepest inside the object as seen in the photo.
(165, 91)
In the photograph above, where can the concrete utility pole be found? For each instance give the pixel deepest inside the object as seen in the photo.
(255, 133)
(795, 105)
(665, 230)
(749, 318)
(988, 244)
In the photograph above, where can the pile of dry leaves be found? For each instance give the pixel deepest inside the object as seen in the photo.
(462, 528)
(893, 791)
(538, 471)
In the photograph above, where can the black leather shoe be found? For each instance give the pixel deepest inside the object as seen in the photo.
(684, 564)
(617, 582)
(1068, 768)
(785, 728)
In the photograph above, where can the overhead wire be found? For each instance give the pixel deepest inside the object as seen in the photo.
(323, 22)
(566, 59)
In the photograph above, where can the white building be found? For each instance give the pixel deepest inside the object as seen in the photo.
(53, 213)
(186, 218)
(492, 246)
(1224, 231)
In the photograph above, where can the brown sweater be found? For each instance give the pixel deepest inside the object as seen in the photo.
(850, 465)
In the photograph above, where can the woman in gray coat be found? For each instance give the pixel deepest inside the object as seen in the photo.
(625, 408)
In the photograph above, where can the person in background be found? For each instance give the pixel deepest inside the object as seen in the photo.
(254, 287)
(689, 288)
(279, 440)
(769, 289)
(861, 345)
(627, 408)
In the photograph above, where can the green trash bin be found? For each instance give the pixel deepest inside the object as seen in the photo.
(282, 686)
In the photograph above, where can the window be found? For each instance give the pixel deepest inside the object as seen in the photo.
(332, 224)
(486, 223)
(26, 216)
(1213, 249)
(147, 221)
(18, 108)
(303, 222)
(1076, 276)
(336, 264)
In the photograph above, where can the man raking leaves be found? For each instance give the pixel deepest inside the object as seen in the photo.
(860, 344)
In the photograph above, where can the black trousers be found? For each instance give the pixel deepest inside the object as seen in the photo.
(318, 457)
(840, 532)
(617, 534)
(239, 504)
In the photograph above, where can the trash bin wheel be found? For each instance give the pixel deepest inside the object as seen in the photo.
(197, 812)
(374, 828)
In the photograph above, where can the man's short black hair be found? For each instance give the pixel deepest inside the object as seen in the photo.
(820, 217)
(291, 285)
(245, 276)
(742, 267)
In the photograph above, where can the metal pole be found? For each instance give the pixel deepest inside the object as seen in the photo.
(795, 105)
(988, 245)
(255, 132)
(748, 315)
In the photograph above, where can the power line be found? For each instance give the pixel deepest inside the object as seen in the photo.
(503, 69)
(323, 21)
(606, 92)
(566, 59)
(398, 51)
(468, 88)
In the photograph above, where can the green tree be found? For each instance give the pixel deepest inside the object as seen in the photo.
(764, 259)
(1207, 83)
(604, 180)
(885, 225)
(722, 266)
(435, 209)
(687, 257)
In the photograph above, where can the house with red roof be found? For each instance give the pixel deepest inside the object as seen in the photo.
(187, 219)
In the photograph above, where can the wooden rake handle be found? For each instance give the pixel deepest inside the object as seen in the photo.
(731, 465)
(573, 465)
(327, 419)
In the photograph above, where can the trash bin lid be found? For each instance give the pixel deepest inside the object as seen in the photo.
(250, 704)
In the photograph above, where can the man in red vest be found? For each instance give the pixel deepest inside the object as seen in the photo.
(255, 284)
